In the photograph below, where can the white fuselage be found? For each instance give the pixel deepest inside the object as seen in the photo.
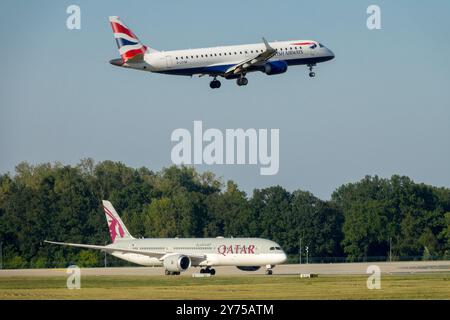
(217, 251)
(216, 60)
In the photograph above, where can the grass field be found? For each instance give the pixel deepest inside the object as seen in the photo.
(411, 286)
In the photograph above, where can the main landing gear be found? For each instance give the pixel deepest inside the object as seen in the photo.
(172, 273)
(311, 73)
(269, 270)
(242, 81)
(215, 84)
(208, 270)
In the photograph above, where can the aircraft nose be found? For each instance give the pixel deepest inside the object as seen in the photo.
(283, 257)
(330, 54)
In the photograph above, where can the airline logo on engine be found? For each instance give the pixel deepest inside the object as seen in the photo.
(236, 249)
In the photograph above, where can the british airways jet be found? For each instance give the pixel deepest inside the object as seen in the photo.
(229, 62)
(178, 254)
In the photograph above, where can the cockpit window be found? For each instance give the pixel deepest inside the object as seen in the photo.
(277, 248)
(320, 45)
(272, 248)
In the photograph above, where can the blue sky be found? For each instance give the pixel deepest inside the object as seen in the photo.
(381, 107)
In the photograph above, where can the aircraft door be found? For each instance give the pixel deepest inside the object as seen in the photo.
(168, 62)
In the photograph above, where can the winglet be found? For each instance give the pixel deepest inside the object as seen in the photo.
(268, 47)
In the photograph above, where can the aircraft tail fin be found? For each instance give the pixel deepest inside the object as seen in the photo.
(130, 48)
(117, 228)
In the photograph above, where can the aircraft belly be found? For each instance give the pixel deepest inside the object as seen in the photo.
(243, 260)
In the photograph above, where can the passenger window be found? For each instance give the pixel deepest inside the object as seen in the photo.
(272, 248)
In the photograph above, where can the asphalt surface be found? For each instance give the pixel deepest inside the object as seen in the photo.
(287, 269)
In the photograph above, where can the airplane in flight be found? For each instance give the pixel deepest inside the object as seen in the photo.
(178, 254)
(229, 62)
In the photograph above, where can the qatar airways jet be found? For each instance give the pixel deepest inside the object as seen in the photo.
(229, 62)
(178, 254)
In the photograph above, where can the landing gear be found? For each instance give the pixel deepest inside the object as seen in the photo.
(269, 270)
(172, 273)
(242, 81)
(311, 73)
(208, 270)
(215, 84)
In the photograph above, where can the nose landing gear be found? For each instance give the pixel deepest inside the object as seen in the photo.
(311, 73)
(269, 270)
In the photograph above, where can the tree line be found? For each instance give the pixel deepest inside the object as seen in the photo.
(393, 217)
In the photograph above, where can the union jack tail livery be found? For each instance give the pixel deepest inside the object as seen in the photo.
(130, 48)
(117, 229)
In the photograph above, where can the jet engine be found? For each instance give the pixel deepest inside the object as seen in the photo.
(275, 67)
(177, 263)
(248, 268)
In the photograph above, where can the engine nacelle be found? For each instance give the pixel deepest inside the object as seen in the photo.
(248, 268)
(177, 263)
(275, 67)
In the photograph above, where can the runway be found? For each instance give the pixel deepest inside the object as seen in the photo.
(413, 267)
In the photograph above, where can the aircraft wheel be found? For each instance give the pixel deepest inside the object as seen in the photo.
(244, 81)
(212, 271)
(269, 272)
(215, 84)
(202, 270)
(312, 74)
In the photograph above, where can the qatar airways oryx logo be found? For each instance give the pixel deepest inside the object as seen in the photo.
(114, 226)
(236, 249)
(235, 146)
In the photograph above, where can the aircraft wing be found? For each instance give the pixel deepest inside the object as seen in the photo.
(244, 65)
(110, 249)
